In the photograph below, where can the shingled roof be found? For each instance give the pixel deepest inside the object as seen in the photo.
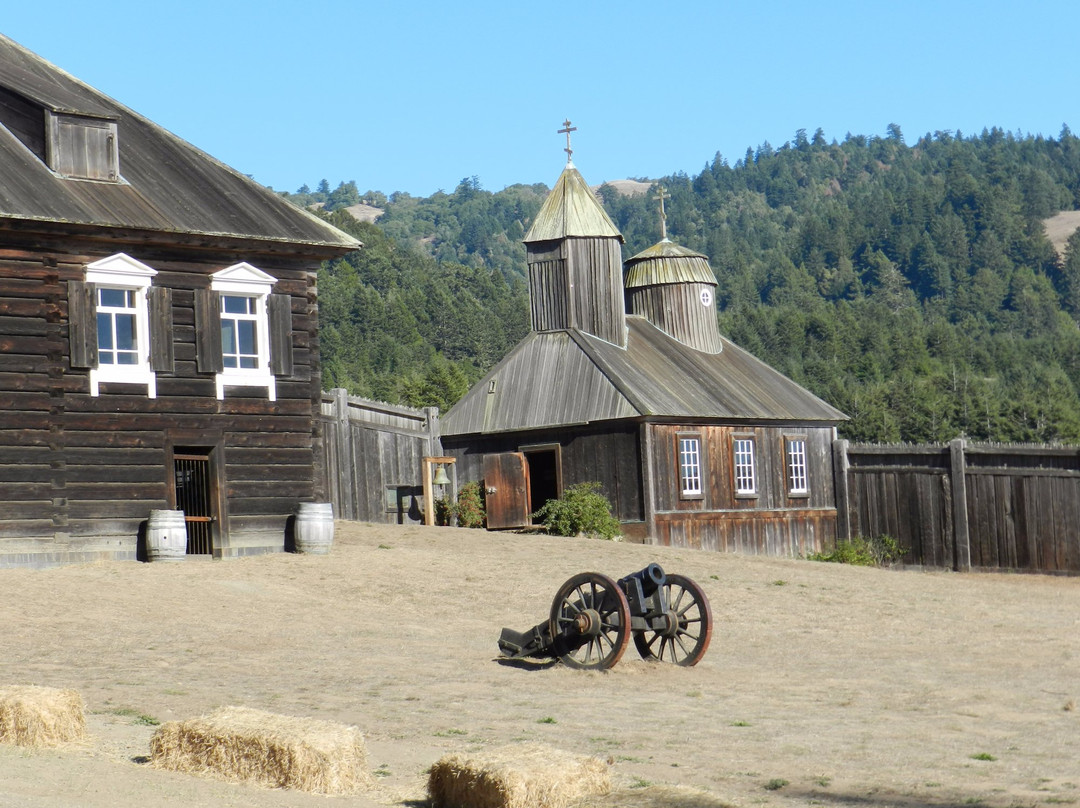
(571, 210)
(561, 378)
(165, 184)
(667, 262)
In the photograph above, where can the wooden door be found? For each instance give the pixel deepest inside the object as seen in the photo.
(506, 481)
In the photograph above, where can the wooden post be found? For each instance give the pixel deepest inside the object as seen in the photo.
(429, 488)
(843, 491)
(343, 484)
(648, 483)
(434, 430)
(957, 472)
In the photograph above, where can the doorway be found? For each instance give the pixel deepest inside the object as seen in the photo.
(545, 473)
(193, 491)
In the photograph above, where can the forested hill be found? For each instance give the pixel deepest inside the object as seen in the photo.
(912, 286)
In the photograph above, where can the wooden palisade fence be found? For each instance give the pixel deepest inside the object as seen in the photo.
(373, 457)
(965, 505)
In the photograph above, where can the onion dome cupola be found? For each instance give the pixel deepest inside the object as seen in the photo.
(575, 261)
(674, 289)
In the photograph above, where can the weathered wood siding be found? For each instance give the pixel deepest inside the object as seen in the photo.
(609, 455)
(966, 506)
(577, 283)
(79, 474)
(373, 457)
(770, 522)
(676, 309)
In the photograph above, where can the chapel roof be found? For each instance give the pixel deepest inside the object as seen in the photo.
(568, 377)
(667, 262)
(571, 210)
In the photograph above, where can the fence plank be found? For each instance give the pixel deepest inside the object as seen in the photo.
(372, 446)
(965, 505)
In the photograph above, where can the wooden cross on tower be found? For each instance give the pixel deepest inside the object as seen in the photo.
(566, 130)
(661, 194)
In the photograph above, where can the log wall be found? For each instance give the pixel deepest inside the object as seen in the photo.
(80, 474)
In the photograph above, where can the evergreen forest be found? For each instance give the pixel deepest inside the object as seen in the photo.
(911, 286)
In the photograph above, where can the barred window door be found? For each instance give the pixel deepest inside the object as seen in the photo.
(191, 476)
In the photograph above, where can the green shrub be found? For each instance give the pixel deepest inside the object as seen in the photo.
(580, 509)
(471, 508)
(880, 551)
(444, 511)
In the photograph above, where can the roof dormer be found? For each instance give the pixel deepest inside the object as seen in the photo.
(73, 144)
(82, 147)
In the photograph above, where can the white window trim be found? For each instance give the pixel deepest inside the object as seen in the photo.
(745, 472)
(121, 271)
(690, 484)
(793, 466)
(248, 281)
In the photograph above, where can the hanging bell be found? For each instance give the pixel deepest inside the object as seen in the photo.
(440, 476)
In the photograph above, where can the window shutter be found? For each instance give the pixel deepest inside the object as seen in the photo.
(82, 325)
(162, 354)
(279, 312)
(208, 331)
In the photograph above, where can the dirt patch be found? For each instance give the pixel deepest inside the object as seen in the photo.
(1060, 227)
(627, 187)
(824, 684)
(364, 213)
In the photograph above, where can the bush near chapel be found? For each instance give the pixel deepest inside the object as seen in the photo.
(581, 509)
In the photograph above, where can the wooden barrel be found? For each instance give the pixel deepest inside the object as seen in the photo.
(314, 530)
(166, 536)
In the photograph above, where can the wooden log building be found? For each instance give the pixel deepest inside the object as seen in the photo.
(629, 383)
(158, 333)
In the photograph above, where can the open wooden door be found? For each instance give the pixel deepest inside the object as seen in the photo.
(506, 480)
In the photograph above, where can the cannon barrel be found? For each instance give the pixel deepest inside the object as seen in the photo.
(651, 578)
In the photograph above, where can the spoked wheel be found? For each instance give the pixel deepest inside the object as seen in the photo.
(590, 621)
(687, 625)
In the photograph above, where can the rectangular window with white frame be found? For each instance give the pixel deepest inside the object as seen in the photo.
(745, 474)
(240, 332)
(797, 478)
(244, 359)
(690, 467)
(118, 347)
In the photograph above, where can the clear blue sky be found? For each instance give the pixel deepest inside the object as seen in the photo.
(414, 96)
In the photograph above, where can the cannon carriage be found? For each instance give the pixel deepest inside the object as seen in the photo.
(593, 617)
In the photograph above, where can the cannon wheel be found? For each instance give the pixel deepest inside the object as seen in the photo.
(689, 629)
(591, 615)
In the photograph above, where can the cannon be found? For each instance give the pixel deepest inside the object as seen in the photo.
(593, 617)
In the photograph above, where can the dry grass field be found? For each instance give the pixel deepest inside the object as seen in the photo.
(824, 684)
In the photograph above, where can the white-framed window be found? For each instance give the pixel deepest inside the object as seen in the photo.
(796, 466)
(122, 314)
(745, 477)
(690, 466)
(245, 330)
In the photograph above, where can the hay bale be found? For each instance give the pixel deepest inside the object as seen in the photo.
(251, 746)
(525, 775)
(41, 716)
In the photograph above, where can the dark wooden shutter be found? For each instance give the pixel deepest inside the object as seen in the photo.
(82, 325)
(208, 331)
(279, 313)
(162, 354)
(506, 479)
